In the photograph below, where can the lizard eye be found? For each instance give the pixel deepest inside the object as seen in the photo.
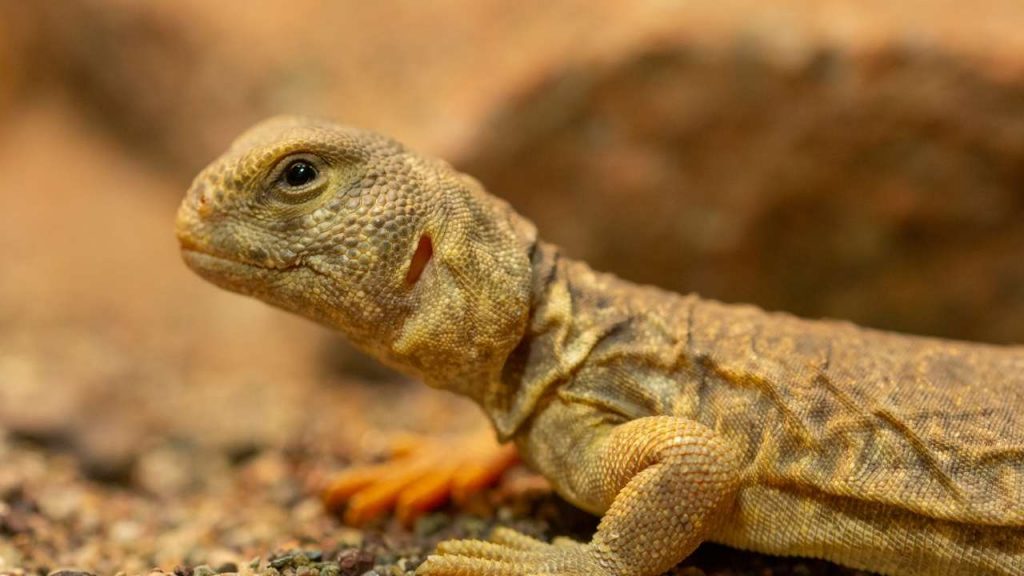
(299, 173)
(298, 179)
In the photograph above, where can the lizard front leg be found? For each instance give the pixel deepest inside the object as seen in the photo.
(662, 482)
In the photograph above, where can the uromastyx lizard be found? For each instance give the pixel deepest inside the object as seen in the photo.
(678, 419)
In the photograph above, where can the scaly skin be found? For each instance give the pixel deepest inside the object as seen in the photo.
(678, 419)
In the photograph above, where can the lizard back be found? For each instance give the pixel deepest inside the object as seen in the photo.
(931, 426)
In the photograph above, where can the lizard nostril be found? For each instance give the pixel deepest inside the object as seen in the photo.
(201, 196)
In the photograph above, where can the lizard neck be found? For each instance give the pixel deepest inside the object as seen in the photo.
(564, 324)
(474, 298)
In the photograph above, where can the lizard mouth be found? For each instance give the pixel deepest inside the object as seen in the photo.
(190, 253)
(283, 287)
(232, 274)
(199, 256)
(246, 275)
(204, 259)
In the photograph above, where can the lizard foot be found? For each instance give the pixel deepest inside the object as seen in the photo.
(423, 474)
(510, 553)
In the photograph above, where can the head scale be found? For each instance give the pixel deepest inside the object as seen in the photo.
(413, 261)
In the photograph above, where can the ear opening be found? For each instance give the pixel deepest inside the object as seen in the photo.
(420, 259)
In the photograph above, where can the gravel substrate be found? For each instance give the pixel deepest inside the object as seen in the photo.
(186, 511)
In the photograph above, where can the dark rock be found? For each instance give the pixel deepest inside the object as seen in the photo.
(355, 561)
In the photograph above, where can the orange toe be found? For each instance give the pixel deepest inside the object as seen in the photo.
(382, 493)
(428, 493)
(346, 484)
(423, 476)
(481, 472)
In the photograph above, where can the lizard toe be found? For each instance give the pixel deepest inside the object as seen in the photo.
(421, 476)
(515, 540)
(512, 554)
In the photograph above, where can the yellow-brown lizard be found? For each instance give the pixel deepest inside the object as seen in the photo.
(678, 419)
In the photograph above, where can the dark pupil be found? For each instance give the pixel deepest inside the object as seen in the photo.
(299, 173)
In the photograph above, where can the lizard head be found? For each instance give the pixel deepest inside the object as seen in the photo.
(412, 260)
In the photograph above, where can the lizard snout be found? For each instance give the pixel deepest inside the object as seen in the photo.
(191, 213)
(199, 199)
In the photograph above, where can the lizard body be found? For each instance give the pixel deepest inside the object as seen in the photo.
(676, 418)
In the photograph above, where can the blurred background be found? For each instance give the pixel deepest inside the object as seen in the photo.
(856, 159)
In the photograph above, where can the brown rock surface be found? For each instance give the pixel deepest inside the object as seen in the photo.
(881, 187)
